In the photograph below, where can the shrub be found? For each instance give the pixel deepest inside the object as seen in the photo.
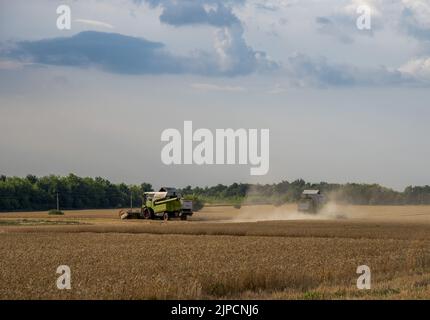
(56, 212)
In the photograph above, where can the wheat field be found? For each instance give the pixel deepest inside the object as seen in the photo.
(257, 252)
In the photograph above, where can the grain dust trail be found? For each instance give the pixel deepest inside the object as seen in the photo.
(289, 212)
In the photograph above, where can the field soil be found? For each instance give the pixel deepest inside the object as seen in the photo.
(255, 252)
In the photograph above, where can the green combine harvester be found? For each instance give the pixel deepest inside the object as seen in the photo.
(165, 204)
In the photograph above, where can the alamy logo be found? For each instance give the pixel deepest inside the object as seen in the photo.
(64, 280)
(64, 17)
(363, 281)
(231, 147)
(364, 21)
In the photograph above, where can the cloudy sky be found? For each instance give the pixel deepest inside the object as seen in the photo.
(342, 104)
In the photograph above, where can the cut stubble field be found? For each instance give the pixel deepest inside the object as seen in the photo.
(221, 253)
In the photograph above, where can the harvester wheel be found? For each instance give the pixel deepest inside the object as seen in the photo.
(165, 216)
(184, 217)
(147, 214)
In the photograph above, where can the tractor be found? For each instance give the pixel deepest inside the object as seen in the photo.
(165, 204)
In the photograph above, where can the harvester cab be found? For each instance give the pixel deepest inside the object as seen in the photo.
(311, 201)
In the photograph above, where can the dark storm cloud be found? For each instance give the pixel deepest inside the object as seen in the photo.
(122, 54)
(112, 52)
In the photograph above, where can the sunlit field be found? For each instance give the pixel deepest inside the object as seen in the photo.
(260, 252)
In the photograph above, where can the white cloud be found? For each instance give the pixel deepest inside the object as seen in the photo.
(418, 68)
(235, 56)
(420, 10)
(95, 23)
(351, 8)
(342, 22)
(415, 19)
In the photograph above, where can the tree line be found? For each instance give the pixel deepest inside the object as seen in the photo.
(40, 193)
(285, 192)
(34, 193)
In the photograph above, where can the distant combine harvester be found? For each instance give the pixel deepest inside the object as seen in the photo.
(311, 201)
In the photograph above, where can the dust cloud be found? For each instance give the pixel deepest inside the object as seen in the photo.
(330, 211)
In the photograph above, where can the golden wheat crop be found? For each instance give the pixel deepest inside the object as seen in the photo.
(112, 259)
